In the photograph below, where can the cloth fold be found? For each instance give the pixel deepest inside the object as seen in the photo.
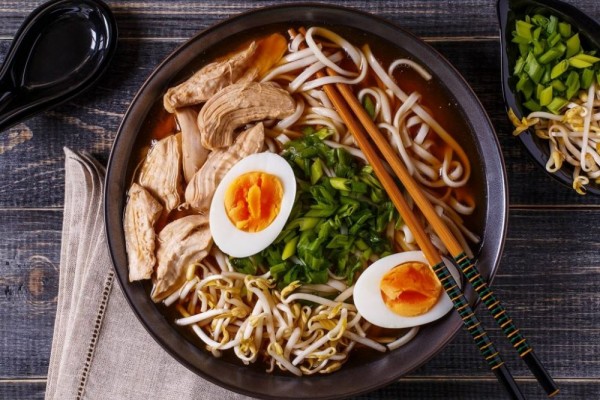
(99, 349)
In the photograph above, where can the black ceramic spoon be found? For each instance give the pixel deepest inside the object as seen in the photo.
(588, 28)
(61, 49)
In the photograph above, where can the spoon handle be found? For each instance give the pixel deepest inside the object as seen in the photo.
(500, 315)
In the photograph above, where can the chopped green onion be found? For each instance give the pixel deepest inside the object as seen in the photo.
(316, 171)
(573, 45)
(572, 83)
(323, 133)
(524, 30)
(245, 265)
(586, 58)
(523, 49)
(307, 223)
(520, 40)
(558, 85)
(290, 248)
(554, 39)
(369, 106)
(559, 69)
(546, 96)
(538, 48)
(278, 269)
(578, 63)
(308, 130)
(519, 66)
(550, 55)
(533, 68)
(340, 183)
(546, 79)
(359, 187)
(587, 76)
(361, 245)
(340, 241)
(538, 90)
(525, 86)
(552, 25)
(564, 29)
(532, 105)
(556, 105)
(539, 20)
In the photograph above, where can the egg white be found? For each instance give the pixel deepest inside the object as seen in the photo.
(236, 242)
(370, 304)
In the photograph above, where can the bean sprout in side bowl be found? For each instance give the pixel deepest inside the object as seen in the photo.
(551, 86)
(250, 234)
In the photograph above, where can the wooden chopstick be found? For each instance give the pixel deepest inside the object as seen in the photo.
(470, 320)
(466, 265)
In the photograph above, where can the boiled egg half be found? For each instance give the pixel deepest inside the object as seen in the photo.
(401, 291)
(252, 204)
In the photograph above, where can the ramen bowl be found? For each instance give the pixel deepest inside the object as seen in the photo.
(365, 371)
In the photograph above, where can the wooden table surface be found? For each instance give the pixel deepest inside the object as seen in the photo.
(549, 274)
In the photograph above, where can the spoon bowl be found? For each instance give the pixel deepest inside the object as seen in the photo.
(508, 12)
(61, 49)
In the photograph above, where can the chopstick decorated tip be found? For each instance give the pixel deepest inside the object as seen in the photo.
(466, 265)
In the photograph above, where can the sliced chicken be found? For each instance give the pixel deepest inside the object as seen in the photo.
(161, 171)
(141, 213)
(212, 78)
(200, 190)
(194, 154)
(238, 105)
(181, 243)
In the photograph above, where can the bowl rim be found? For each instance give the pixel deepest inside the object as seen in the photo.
(314, 387)
(584, 24)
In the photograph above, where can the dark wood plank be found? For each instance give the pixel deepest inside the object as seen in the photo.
(469, 389)
(29, 259)
(22, 390)
(164, 18)
(183, 19)
(549, 288)
(407, 388)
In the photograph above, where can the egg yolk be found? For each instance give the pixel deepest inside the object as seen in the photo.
(410, 289)
(253, 200)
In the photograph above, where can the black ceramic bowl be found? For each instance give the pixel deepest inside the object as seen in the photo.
(508, 12)
(365, 371)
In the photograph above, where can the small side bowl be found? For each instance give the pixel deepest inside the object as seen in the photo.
(508, 11)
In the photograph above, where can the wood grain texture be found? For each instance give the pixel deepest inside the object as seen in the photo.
(406, 388)
(24, 390)
(29, 259)
(549, 274)
(182, 19)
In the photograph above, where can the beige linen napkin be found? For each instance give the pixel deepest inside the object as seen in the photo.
(100, 350)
